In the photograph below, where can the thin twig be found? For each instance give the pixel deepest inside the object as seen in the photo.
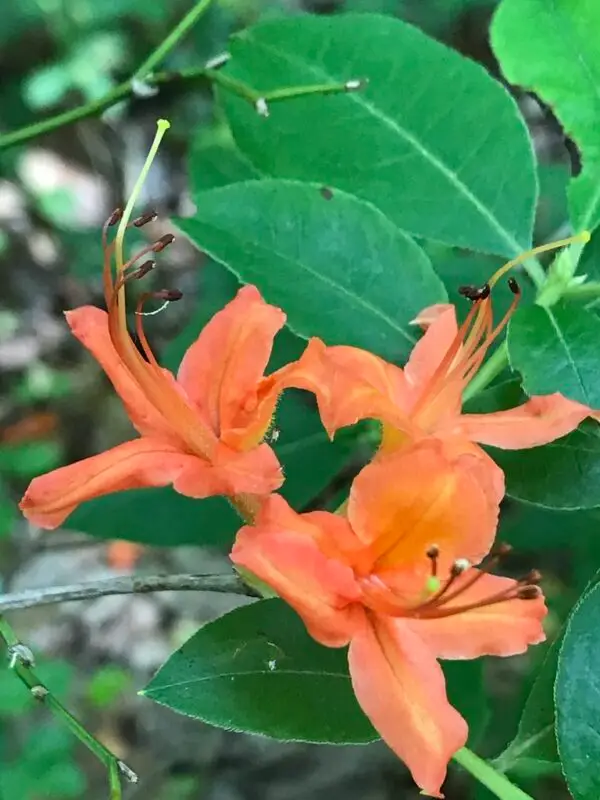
(22, 664)
(145, 78)
(127, 584)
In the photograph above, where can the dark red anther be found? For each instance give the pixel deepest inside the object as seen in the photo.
(170, 295)
(142, 270)
(115, 217)
(163, 242)
(433, 551)
(474, 293)
(514, 286)
(144, 219)
(502, 549)
(529, 592)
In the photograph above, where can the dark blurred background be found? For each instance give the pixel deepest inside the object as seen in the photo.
(55, 191)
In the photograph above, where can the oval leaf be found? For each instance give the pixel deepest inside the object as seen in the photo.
(549, 46)
(337, 265)
(256, 669)
(557, 350)
(577, 696)
(446, 157)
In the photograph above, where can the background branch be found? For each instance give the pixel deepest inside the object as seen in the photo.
(127, 584)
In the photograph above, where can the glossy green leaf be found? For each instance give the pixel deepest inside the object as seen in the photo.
(550, 47)
(218, 165)
(256, 669)
(223, 674)
(164, 517)
(557, 350)
(535, 742)
(337, 265)
(432, 140)
(562, 475)
(577, 697)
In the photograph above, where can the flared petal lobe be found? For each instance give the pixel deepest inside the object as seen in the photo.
(143, 462)
(537, 422)
(281, 550)
(502, 629)
(90, 326)
(350, 384)
(403, 504)
(401, 688)
(222, 372)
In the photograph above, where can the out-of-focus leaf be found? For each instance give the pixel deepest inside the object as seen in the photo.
(340, 269)
(445, 157)
(547, 46)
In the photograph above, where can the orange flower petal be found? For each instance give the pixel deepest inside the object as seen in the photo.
(401, 688)
(256, 471)
(503, 629)
(222, 371)
(350, 384)
(281, 550)
(538, 421)
(142, 462)
(441, 328)
(90, 325)
(402, 504)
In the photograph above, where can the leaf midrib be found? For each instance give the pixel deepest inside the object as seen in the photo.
(359, 301)
(247, 673)
(358, 98)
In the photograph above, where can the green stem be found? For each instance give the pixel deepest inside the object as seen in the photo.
(178, 32)
(21, 661)
(127, 89)
(114, 781)
(490, 370)
(497, 783)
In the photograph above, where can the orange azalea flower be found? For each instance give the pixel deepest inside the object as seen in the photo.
(200, 432)
(425, 398)
(395, 580)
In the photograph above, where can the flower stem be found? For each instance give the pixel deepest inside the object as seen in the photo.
(497, 783)
(22, 664)
(490, 370)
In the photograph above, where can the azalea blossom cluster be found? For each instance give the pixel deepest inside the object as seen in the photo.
(402, 571)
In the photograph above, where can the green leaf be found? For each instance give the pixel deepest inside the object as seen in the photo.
(432, 140)
(577, 696)
(256, 669)
(535, 741)
(557, 350)
(337, 265)
(215, 165)
(563, 475)
(163, 517)
(549, 46)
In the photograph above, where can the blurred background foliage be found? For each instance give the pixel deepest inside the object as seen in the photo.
(55, 192)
